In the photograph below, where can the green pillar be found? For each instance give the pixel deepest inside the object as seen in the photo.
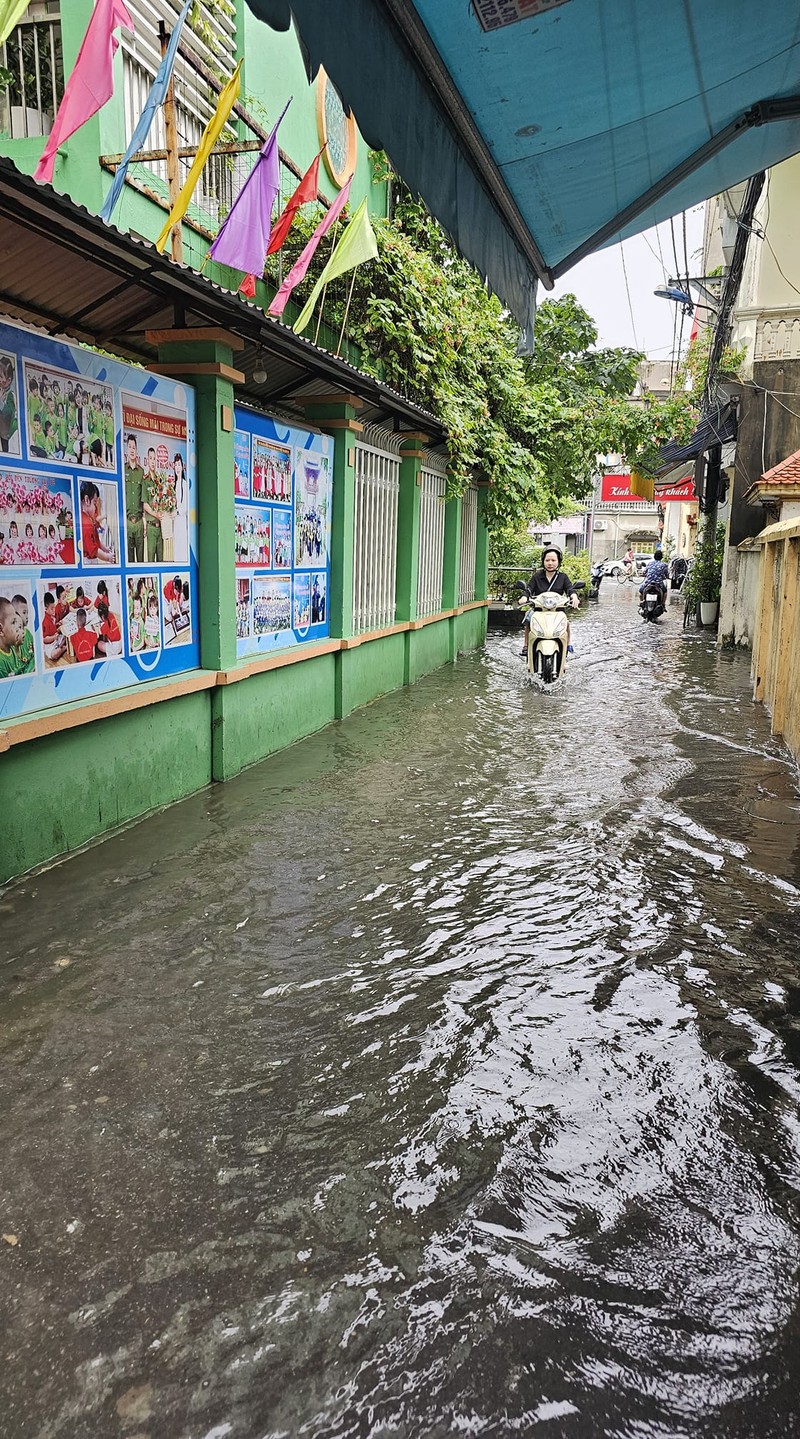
(203, 359)
(451, 577)
(482, 546)
(337, 415)
(408, 510)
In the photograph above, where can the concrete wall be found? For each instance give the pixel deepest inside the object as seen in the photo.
(739, 598)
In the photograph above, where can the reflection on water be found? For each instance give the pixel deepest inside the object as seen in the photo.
(439, 1075)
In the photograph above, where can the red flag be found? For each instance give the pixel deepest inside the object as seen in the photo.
(306, 190)
(248, 287)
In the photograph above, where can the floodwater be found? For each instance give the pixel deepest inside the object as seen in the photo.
(437, 1076)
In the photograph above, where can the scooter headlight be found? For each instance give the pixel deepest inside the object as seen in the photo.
(537, 628)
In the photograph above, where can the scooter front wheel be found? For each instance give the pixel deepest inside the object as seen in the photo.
(548, 669)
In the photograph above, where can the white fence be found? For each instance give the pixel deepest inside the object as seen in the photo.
(431, 537)
(469, 540)
(377, 486)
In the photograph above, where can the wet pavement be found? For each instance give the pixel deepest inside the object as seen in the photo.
(437, 1076)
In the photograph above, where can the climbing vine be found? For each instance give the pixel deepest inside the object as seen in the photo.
(424, 323)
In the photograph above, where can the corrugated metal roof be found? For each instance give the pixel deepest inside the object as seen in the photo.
(66, 271)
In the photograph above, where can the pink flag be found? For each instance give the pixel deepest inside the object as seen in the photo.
(301, 264)
(91, 83)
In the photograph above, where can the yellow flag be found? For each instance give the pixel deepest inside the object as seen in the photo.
(210, 136)
(10, 11)
(642, 487)
(357, 244)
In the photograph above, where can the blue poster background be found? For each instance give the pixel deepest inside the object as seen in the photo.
(58, 441)
(283, 529)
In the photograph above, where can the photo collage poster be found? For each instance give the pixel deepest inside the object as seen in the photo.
(98, 543)
(282, 486)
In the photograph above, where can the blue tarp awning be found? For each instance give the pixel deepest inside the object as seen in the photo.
(716, 427)
(539, 130)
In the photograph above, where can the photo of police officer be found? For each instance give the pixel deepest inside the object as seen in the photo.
(134, 500)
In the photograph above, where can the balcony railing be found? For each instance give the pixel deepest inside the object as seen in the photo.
(32, 56)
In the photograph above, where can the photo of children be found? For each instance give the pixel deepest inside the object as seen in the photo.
(177, 611)
(311, 501)
(99, 522)
(79, 623)
(241, 465)
(272, 605)
(244, 627)
(282, 539)
(318, 604)
(36, 520)
(9, 407)
(155, 438)
(302, 601)
(144, 613)
(69, 419)
(252, 537)
(272, 471)
(17, 654)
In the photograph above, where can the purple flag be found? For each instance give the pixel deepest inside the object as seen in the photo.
(244, 236)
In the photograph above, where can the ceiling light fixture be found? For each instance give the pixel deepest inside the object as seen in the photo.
(260, 371)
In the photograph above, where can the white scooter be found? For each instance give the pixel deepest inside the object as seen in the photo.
(547, 634)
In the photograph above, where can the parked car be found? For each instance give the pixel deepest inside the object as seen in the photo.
(641, 559)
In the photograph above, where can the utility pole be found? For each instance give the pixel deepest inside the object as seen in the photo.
(171, 136)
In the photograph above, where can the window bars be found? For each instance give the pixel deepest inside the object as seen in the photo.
(469, 540)
(32, 55)
(431, 541)
(377, 485)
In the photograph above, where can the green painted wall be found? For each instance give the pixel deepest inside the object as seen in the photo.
(428, 649)
(375, 668)
(470, 629)
(58, 792)
(269, 711)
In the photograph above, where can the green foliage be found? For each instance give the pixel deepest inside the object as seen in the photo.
(704, 580)
(424, 323)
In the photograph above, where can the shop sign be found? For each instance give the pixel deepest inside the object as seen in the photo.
(682, 492)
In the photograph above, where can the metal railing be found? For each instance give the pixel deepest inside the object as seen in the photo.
(431, 539)
(377, 486)
(222, 175)
(32, 55)
(469, 540)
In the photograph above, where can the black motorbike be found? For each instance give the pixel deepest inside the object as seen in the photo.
(651, 602)
(596, 575)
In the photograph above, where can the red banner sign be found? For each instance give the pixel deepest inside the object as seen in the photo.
(616, 490)
(682, 491)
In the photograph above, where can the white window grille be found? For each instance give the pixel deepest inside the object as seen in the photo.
(32, 55)
(195, 102)
(431, 537)
(377, 486)
(469, 540)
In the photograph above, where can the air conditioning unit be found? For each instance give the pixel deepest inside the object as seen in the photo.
(600, 524)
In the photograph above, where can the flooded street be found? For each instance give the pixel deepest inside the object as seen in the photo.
(438, 1076)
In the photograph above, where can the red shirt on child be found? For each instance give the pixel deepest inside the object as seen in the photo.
(84, 644)
(49, 628)
(109, 629)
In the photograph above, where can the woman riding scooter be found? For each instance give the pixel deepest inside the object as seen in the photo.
(550, 577)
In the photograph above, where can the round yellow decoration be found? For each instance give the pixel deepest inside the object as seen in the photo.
(337, 131)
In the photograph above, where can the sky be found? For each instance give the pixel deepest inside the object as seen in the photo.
(599, 282)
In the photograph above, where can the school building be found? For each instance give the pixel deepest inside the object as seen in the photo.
(87, 744)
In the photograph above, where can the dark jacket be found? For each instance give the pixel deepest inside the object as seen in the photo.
(560, 584)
